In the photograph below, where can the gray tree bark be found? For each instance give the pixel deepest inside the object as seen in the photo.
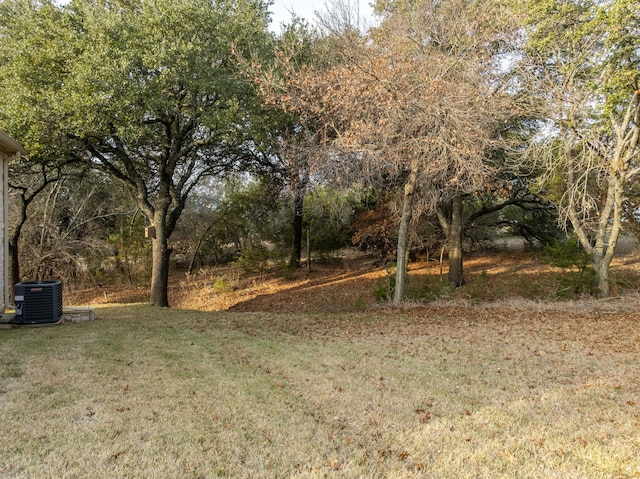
(403, 234)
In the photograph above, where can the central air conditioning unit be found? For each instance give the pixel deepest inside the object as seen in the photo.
(38, 302)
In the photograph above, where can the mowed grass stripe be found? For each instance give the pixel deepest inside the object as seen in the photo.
(147, 392)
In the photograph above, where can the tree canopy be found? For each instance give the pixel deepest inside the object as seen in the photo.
(146, 91)
(582, 59)
(412, 99)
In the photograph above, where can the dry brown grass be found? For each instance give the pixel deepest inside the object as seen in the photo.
(439, 392)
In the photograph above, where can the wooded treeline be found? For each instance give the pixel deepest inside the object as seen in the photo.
(184, 133)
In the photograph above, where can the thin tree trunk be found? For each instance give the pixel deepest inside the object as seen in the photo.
(308, 250)
(403, 234)
(194, 256)
(14, 269)
(14, 249)
(296, 246)
(196, 251)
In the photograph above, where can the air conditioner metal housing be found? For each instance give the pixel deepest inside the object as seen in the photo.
(38, 302)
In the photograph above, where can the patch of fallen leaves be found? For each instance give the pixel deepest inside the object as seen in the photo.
(540, 333)
(590, 326)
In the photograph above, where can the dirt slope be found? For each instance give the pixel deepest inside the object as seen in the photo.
(349, 285)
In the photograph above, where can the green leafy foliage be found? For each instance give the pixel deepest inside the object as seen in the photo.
(582, 57)
(329, 215)
(566, 254)
(578, 276)
(130, 250)
(430, 289)
(383, 289)
(148, 92)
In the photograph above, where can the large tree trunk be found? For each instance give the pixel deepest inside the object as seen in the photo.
(160, 273)
(403, 234)
(454, 243)
(296, 246)
(601, 269)
(160, 263)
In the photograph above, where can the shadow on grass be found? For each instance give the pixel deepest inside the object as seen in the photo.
(322, 289)
(352, 285)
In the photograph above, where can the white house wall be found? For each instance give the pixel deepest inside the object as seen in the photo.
(8, 149)
(4, 300)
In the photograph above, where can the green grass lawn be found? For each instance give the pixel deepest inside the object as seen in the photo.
(428, 392)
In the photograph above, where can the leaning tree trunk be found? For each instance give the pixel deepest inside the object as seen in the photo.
(25, 197)
(196, 250)
(14, 243)
(14, 249)
(607, 241)
(14, 268)
(403, 234)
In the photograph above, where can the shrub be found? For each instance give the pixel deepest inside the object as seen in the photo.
(578, 275)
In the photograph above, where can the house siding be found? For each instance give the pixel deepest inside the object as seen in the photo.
(8, 149)
(4, 270)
